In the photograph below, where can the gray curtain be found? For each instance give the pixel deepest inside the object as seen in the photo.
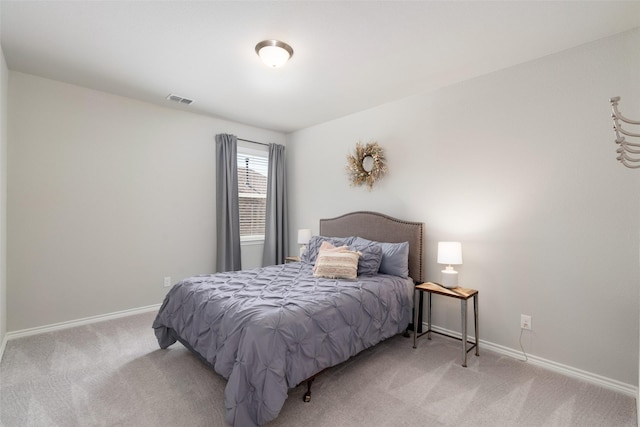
(276, 239)
(227, 209)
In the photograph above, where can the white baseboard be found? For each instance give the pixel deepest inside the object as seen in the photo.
(570, 371)
(73, 323)
(3, 344)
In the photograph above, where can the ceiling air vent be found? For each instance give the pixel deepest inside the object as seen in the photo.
(179, 99)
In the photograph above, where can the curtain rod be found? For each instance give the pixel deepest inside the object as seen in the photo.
(254, 142)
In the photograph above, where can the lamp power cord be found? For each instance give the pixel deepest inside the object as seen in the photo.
(526, 358)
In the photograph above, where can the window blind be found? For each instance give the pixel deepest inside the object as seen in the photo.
(253, 170)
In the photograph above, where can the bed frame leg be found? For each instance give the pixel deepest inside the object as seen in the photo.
(307, 396)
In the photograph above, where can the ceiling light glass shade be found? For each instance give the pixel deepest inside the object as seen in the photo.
(274, 53)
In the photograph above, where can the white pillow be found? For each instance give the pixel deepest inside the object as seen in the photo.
(336, 263)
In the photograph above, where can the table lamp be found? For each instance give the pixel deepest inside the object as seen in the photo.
(304, 235)
(449, 253)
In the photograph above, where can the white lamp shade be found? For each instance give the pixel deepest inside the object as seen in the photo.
(304, 235)
(449, 253)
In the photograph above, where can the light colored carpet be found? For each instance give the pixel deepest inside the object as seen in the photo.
(113, 374)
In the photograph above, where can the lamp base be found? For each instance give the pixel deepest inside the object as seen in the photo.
(302, 249)
(449, 278)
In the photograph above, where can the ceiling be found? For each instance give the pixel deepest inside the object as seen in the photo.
(348, 55)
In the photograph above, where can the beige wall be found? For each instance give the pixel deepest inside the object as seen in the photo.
(4, 83)
(519, 165)
(106, 197)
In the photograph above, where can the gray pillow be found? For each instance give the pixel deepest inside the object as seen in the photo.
(311, 253)
(370, 258)
(395, 257)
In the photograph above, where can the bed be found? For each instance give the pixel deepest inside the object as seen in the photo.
(268, 330)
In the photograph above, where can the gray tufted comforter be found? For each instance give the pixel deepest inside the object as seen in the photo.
(267, 330)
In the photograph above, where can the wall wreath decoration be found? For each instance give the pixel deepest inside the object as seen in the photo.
(366, 164)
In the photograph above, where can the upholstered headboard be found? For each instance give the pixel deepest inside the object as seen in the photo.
(381, 228)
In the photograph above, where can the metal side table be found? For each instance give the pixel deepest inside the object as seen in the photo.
(463, 294)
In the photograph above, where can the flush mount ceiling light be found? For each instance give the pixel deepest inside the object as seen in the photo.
(274, 53)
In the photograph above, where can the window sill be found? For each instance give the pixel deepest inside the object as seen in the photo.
(251, 242)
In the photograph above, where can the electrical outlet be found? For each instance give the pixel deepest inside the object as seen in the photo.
(525, 322)
(167, 282)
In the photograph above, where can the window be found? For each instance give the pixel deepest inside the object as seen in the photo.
(253, 169)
